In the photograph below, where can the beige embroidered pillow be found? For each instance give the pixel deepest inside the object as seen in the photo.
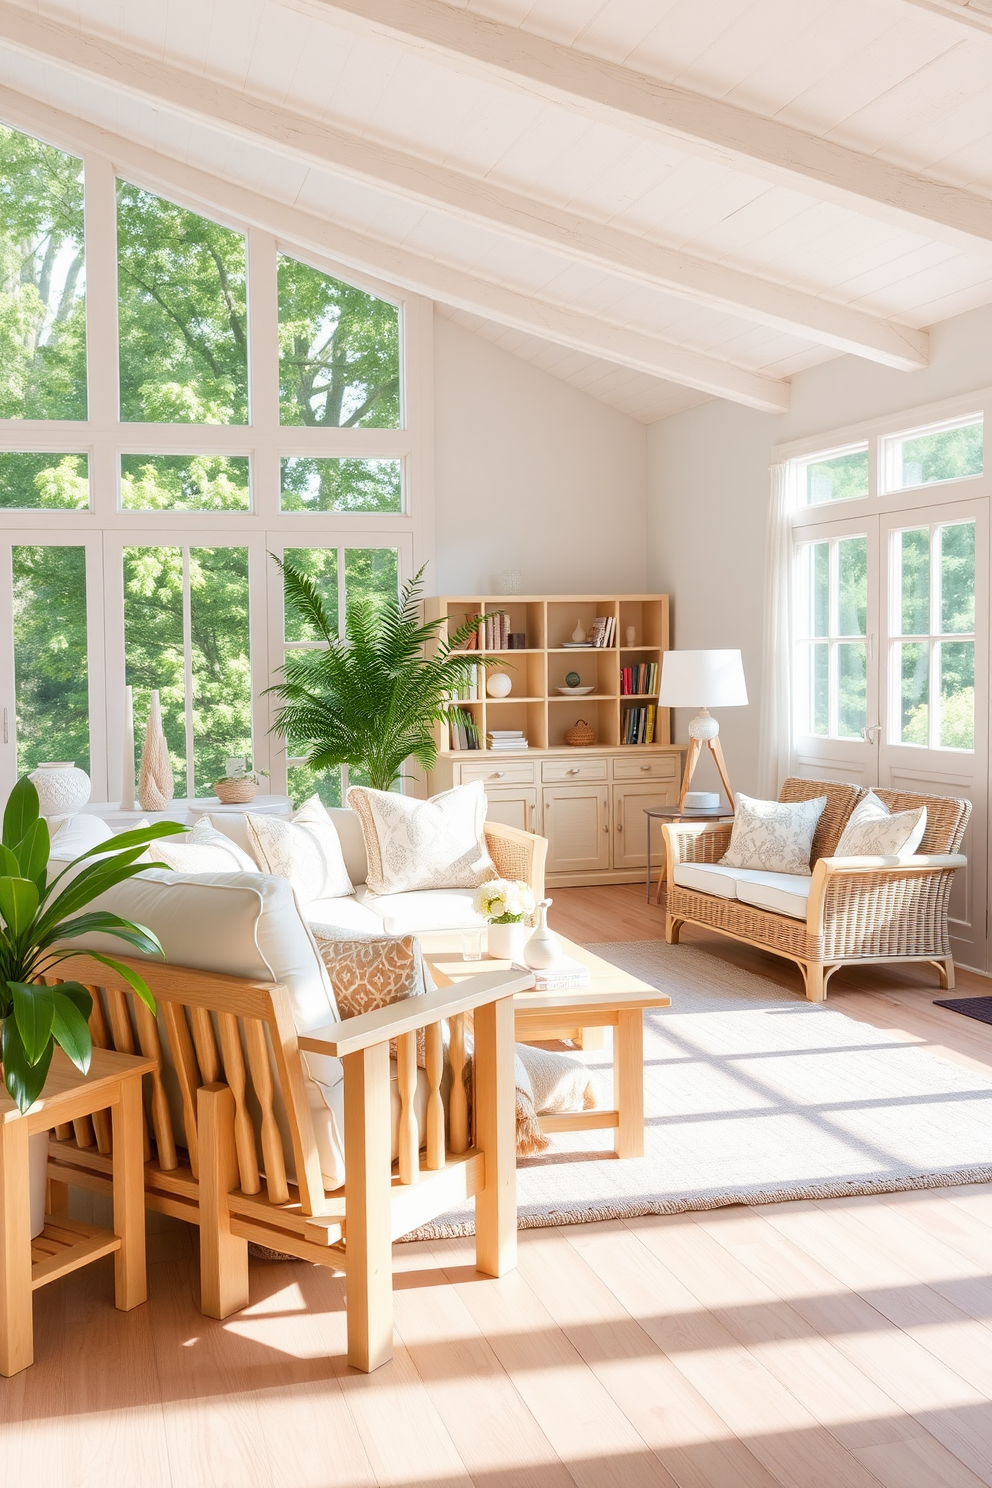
(203, 850)
(773, 836)
(873, 830)
(305, 849)
(369, 972)
(413, 844)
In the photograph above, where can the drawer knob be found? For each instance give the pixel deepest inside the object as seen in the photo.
(572, 770)
(645, 767)
(497, 775)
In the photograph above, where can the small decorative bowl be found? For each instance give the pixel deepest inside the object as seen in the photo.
(575, 691)
(235, 792)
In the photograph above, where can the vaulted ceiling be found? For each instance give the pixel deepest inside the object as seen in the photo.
(658, 200)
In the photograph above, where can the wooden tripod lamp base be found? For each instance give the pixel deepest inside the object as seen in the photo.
(704, 729)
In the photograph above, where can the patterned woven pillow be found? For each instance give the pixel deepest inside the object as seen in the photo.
(305, 849)
(203, 850)
(773, 836)
(372, 971)
(873, 830)
(413, 844)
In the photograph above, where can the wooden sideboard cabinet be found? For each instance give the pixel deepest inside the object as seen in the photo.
(588, 802)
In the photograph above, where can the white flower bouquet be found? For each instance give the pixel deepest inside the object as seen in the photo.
(503, 901)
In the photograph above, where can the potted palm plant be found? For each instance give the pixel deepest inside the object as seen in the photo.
(370, 700)
(36, 918)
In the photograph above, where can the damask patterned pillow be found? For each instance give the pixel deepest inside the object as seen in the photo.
(305, 849)
(873, 830)
(773, 836)
(413, 844)
(372, 971)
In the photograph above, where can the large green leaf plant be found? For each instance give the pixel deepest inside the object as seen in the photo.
(370, 700)
(37, 916)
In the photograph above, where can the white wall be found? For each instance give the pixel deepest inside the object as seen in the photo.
(708, 496)
(531, 474)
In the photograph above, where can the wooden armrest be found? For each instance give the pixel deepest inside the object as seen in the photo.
(413, 1013)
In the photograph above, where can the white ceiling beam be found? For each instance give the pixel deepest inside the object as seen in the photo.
(686, 276)
(563, 325)
(976, 13)
(720, 131)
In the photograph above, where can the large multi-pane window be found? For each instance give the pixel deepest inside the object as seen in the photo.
(832, 652)
(933, 635)
(256, 406)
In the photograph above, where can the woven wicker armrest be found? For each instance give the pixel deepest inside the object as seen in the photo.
(696, 842)
(853, 892)
(517, 855)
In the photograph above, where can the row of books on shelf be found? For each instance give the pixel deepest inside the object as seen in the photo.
(492, 633)
(460, 735)
(603, 631)
(638, 680)
(637, 725)
(506, 739)
(470, 692)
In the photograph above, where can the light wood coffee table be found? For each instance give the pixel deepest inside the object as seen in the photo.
(614, 999)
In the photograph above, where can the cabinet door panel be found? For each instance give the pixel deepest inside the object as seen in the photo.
(577, 826)
(630, 825)
(513, 807)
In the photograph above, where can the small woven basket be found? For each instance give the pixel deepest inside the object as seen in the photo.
(235, 792)
(580, 733)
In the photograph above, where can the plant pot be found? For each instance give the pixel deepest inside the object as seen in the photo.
(235, 792)
(506, 942)
(38, 1180)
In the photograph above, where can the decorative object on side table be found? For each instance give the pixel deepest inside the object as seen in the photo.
(155, 783)
(700, 679)
(498, 685)
(37, 915)
(580, 733)
(505, 904)
(62, 789)
(240, 783)
(543, 949)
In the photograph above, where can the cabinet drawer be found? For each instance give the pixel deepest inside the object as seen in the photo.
(555, 772)
(504, 773)
(660, 767)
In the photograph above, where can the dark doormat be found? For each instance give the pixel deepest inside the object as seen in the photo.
(972, 1007)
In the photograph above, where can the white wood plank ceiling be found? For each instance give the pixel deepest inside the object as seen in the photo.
(657, 200)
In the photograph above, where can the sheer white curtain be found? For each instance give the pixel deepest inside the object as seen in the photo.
(775, 719)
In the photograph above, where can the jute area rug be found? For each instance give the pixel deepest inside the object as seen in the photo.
(753, 1095)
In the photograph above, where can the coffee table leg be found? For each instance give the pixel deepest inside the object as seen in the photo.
(628, 1083)
(130, 1276)
(16, 1321)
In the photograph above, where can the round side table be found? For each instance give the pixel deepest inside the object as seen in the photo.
(672, 813)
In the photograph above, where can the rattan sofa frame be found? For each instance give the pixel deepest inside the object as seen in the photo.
(860, 910)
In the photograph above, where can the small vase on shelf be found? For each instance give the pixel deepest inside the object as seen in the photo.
(543, 949)
(506, 942)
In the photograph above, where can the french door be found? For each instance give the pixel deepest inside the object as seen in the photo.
(892, 665)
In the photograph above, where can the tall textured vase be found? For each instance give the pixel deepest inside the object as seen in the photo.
(155, 783)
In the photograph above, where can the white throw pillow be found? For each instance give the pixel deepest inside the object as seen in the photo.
(78, 834)
(203, 850)
(306, 850)
(773, 836)
(873, 831)
(413, 844)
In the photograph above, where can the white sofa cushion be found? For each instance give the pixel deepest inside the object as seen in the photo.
(785, 893)
(347, 913)
(348, 826)
(233, 825)
(707, 878)
(423, 910)
(413, 844)
(773, 836)
(874, 831)
(203, 850)
(78, 834)
(305, 849)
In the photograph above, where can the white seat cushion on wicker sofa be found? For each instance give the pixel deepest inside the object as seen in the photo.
(784, 893)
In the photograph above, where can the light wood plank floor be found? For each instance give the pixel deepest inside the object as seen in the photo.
(838, 1344)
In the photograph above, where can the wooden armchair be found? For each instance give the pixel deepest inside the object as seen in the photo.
(859, 909)
(243, 1163)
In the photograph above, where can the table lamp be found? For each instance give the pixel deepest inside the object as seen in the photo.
(703, 679)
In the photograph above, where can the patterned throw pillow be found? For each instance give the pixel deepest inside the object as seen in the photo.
(773, 836)
(203, 850)
(874, 831)
(305, 849)
(413, 844)
(373, 971)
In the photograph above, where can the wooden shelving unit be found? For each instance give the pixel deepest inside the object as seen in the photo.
(537, 671)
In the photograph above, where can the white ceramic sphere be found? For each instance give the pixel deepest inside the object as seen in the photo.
(62, 789)
(498, 685)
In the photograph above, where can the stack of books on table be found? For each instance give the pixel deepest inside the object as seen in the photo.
(564, 974)
(506, 739)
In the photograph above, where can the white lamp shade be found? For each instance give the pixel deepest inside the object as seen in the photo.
(702, 679)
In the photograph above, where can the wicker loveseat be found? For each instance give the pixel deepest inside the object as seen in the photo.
(858, 909)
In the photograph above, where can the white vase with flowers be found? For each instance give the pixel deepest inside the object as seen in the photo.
(505, 905)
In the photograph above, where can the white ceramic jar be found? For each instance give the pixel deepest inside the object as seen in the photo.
(62, 789)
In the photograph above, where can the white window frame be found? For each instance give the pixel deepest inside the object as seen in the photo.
(104, 438)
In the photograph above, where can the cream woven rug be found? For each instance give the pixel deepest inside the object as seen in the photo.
(753, 1094)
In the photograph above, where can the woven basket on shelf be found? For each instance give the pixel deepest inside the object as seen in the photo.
(580, 733)
(235, 792)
